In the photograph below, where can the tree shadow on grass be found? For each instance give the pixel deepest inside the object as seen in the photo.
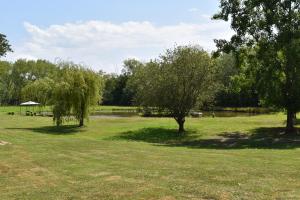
(155, 135)
(260, 138)
(53, 130)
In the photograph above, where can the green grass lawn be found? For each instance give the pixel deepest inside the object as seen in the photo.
(144, 158)
(16, 109)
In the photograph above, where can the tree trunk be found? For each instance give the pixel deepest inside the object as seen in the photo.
(58, 121)
(81, 121)
(290, 129)
(180, 121)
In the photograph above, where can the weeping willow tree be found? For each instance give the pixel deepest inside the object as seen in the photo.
(76, 89)
(61, 101)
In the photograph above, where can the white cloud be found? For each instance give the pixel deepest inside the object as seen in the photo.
(104, 45)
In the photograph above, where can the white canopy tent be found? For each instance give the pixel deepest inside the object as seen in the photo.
(30, 104)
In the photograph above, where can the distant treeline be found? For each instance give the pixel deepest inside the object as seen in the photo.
(234, 90)
(15, 76)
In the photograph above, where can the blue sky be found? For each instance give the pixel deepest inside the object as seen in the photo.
(102, 33)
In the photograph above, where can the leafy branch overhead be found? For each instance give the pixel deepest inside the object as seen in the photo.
(4, 45)
(267, 42)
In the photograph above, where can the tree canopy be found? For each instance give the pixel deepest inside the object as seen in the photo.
(76, 89)
(4, 45)
(267, 39)
(69, 88)
(176, 82)
(39, 91)
(15, 76)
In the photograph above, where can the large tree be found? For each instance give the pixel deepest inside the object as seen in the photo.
(269, 31)
(4, 45)
(76, 89)
(5, 68)
(176, 82)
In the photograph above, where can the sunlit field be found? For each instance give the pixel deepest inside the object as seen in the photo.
(16, 109)
(145, 158)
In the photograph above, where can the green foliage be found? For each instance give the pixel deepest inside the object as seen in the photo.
(39, 91)
(61, 101)
(118, 90)
(6, 86)
(15, 76)
(69, 88)
(4, 45)
(238, 88)
(177, 82)
(267, 36)
(130, 65)
(76, 89)
(109, 89)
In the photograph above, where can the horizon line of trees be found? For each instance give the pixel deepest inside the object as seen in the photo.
(15, 76)
(233, 91)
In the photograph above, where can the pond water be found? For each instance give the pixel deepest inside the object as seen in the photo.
(229, 114)
(113, 114)
(205, 114)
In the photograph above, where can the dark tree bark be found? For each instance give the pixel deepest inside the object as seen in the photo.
(81, 122)
(290, 87)
(180, 121)
(58, 121)
(290, 129)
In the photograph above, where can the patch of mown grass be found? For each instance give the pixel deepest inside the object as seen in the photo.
(16, 109)
(54, 130)
(145, 158)
(265, 138)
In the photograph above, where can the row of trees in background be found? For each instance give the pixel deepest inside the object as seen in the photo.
(15, 76)
(184, 78)
(69, 88)
(234, 90)
(117, 90)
